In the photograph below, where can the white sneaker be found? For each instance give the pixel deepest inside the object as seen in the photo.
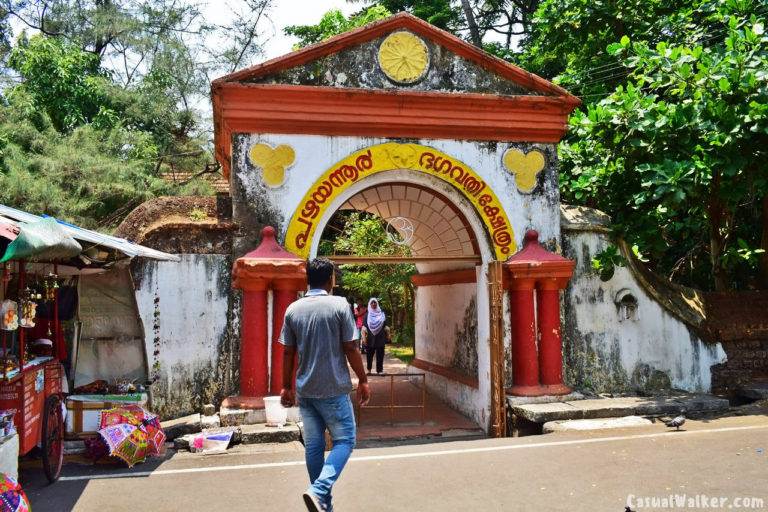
(312, 502)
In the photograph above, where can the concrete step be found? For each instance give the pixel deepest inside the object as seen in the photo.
(181, 426)
(248, 434)
(617, 407)
(756, 391)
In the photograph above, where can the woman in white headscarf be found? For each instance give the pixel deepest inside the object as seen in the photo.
(374, 323)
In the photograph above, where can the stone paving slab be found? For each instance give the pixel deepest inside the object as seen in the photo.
(233, 417)
(595, 424)
(525, 400)
(253, 434)
(618, 407)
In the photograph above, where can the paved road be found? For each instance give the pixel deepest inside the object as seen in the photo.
(590, 471)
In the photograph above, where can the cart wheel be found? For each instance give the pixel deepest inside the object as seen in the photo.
(53, 438)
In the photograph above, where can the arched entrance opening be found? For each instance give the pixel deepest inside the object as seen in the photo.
(435, 241)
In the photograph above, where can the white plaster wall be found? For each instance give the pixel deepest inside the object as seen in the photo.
(317, 153)
(465, 399)
(481, 397)
(440, 313)
(184, 308)
(655, 337)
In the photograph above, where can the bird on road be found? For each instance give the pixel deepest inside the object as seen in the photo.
(677, 421)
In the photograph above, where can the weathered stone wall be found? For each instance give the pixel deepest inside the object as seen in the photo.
(617, 337)
(192, 335)
(358, 67)
(189, 311)
(740, 322)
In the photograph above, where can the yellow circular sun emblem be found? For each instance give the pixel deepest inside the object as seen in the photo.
(403, 57)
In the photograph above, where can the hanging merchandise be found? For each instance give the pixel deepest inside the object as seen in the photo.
(50, 286)
(9, 312)
(28, 308)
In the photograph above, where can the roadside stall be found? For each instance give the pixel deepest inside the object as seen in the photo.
(69, 321)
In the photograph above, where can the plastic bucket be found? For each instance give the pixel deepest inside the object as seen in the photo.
(276, 413)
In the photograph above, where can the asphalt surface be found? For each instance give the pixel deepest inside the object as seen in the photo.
(592, 471)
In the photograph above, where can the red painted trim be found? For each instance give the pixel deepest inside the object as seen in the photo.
(418, 26)
(443, 371)
(448, 277)
(297, 109)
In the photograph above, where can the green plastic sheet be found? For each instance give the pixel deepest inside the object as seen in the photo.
(44, 240)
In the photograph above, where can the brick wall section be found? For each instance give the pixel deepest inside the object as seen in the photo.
(739, 321)
(747, 364)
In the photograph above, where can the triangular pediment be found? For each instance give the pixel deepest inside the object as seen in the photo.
(401, 53)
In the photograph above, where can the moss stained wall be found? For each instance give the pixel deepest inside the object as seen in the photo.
(192, 333)
(608, 353)
(358, 67)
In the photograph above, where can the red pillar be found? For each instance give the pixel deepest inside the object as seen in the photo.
(550, 345)
(525, 364)
(281, 299)
(253, 344)
(536, 370)
(269, 266)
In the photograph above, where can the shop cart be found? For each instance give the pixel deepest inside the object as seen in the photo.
(33, 390)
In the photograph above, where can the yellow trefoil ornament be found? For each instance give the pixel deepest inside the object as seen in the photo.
(273, 162)
(524, 167)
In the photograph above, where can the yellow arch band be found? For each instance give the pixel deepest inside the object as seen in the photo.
(392, 156)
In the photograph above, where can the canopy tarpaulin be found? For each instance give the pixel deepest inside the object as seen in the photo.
(42, 240)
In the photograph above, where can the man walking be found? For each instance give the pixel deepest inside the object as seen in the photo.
(321, 328)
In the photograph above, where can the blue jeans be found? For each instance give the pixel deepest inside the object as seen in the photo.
(335, 414)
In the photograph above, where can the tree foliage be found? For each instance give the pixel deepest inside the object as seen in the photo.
(65, 82)
(333, 23)
(362, 234)
(476, 21)
(86, 175)
(568, 39)
(106, 97)
(677, 154)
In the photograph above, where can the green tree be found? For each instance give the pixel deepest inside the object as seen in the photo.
(677, 155)
(90, 176)
(362, 234)
(476, 20)
(567, 40)
(333, 23)
(104, 100)
(64, 81)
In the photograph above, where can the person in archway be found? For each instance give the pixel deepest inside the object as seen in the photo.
(360, 311)
(374, 323)
(321, 328)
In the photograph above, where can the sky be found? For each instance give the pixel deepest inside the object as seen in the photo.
(284, 13)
